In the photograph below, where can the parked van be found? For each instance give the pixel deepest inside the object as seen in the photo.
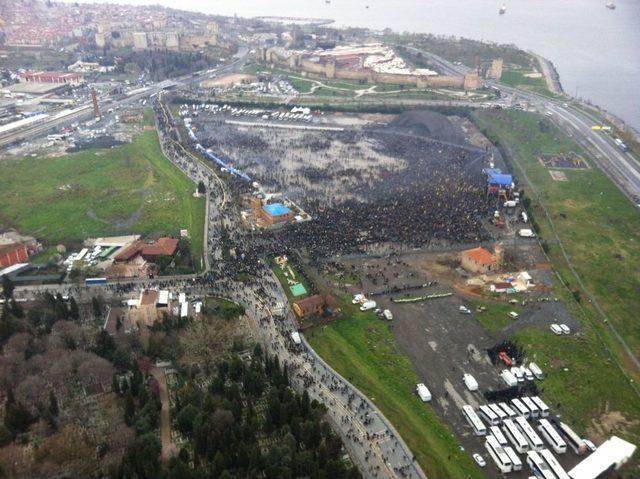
(470, 382)
(423, 392)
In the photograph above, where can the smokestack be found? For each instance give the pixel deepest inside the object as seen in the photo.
(96, 107)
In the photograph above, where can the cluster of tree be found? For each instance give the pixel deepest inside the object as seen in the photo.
(142, 412)
(249, 422)
(42, 315)
(47, 373)
(226, 310)
(463, 50)
(182, 262)
(162, 64)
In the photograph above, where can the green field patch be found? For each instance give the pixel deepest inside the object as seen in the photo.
(123, 190)
(363, 349)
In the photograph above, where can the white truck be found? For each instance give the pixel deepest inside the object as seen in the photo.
(388, 315)
(423, 392)
(526, 233)
(368, 305)
(295, 337)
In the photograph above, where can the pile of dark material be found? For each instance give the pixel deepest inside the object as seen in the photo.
(527, 388)
(429, 124)
(105, 141)
(515, 352)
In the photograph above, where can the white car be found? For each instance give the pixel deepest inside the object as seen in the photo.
(513, 315)
(479, 460)
(591, 446)
(565, 329)
(556, 329)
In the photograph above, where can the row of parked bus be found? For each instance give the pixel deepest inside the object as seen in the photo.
(517, 435)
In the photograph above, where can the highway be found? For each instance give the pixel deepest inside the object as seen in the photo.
(85, 112)
(620, 166)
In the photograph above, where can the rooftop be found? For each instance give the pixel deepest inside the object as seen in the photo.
(276, 209)
(480, 255)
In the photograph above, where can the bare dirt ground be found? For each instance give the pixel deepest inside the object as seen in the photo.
(442, 343)
(168, 448)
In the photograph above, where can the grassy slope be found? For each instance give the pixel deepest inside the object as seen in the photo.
(517, 79)
(594, 221)
(362, 348)
(110, 185)
(598, 225)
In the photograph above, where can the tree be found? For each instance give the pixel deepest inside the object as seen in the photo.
(16, 417)
(74, 312)
(105, 345)
(129, 409)
(201, 188)
(16, 309)
(53, 403)
(186, 418)
(96, 306)
(7, 287)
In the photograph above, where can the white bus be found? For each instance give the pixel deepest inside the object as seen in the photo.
(535, 443)
(535, 412)
(539, 466)
(552, 437)
(487, 413)
(537, 372)
(83, 252)
(473, 420)
(499, 412)
(515, 460)
(521, 408)
(497, 433)
(515, 436)
(553, 464)
(506, 408)
(501, 458)
(544, 409)
(572, 439)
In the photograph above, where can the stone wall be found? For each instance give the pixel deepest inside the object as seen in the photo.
(329, 70)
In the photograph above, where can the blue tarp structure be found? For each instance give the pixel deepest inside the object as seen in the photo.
(492, 171)
(276, 209)
(221, 163)
(500, 179)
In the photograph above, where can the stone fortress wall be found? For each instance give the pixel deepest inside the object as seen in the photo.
(470, 81)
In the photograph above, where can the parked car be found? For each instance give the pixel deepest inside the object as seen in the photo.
(565, 329)
(513, 315)
(591, 446)
(479, 460)
(556, 329)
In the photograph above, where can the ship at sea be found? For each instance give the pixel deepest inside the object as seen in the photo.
(611, 6)
(503, 9)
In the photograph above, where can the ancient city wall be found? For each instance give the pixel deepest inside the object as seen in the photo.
(329, 70)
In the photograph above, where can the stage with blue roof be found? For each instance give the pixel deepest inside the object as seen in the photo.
(277, 209)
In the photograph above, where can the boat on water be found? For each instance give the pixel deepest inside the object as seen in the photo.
(503, 9)
(611, 6)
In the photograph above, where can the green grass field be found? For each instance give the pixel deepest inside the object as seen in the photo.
(128, 189)
(362, 348)
(496, 314)
(598, 225)
(518, 79)
(600, 230)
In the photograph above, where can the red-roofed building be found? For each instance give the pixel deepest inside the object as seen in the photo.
(11, 254)
(147, 249)
(478, 260)
(53, 77)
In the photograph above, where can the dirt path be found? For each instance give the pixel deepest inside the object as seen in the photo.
(168, 448)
